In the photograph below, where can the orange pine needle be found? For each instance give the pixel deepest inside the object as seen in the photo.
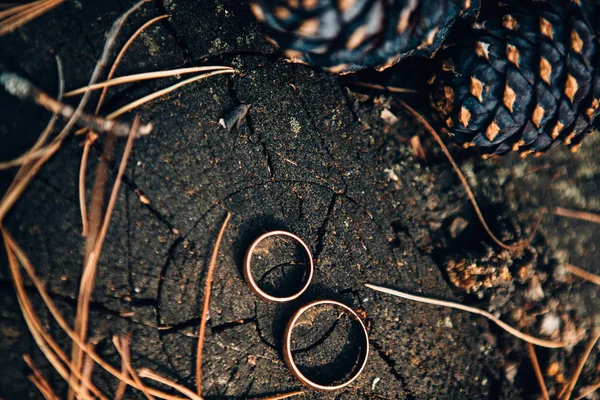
(515, 247)
(205, 307)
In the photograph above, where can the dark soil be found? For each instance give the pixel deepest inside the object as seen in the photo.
(313, 158)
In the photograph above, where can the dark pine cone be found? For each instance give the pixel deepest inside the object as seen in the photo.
(349, 35)
(524, 79)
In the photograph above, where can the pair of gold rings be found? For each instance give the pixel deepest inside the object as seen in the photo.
(287, 351)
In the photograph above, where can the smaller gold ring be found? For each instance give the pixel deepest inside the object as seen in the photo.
(248, 268)
(287, 351)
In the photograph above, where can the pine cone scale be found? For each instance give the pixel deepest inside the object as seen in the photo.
(524, 81)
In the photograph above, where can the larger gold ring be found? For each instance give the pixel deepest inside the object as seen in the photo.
(248, 268)
(287, 351)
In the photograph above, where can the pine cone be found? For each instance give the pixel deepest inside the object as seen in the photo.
(349, 35)
(525, 79)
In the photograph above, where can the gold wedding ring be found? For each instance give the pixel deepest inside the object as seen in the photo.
(287, 351)
(248, 267)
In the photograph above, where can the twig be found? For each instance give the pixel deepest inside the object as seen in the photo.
(581, 215)
(162, 92)
(25, 90)
(579, 368)
(35, 329)
(145, 76)
(122, 346)
(538, 371)
(515, 247)
(32, 154)
(589, 390)
(523, 336)
(205, 307)
(588, 276)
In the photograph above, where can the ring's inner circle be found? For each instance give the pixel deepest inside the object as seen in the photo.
(328, 345)
(280, 265)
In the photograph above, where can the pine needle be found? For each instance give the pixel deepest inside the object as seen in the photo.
(53, 353)
(581, 215)
(14, 18)
(538, 371)
(89, 271)
(28, 312)
(146, 373)
(391, 89)
(122, 346)
(283, 396)
(205, 307)
(91, 137)
(146, 76)
(162, 92)
(579, 368)
(515, 247)
(39, 380)
(588, 390)
(120, 56)
(523, 336)
(588, 276)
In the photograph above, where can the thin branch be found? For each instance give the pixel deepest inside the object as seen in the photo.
(146, 76)
(28, 313)
(32, 154)
(579, 368)
(205, 307)
(122, 346)
(523, 336)
(162, 92)
(538, 371)
(514, 247)
(581, 215)
(25, 90)
(588, 276)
